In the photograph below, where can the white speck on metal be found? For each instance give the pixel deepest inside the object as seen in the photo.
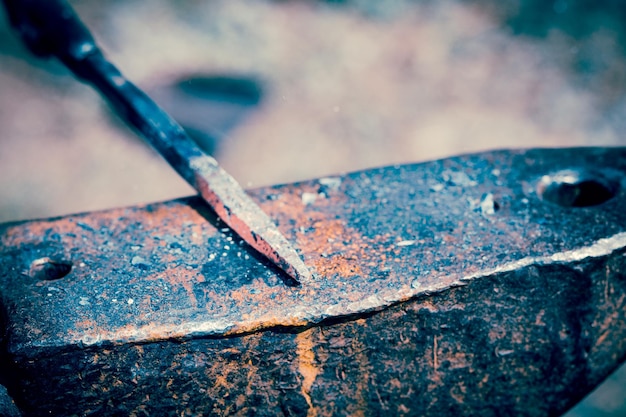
(488, 205)
(331, 182)
(308, 198)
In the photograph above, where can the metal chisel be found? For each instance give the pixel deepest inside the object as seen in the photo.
(52, 28)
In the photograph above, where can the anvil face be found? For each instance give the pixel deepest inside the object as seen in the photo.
(483, 284)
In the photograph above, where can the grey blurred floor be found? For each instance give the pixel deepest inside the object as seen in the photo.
(341, 86)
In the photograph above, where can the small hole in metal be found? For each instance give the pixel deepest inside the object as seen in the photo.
(47, 269)
(571, 188)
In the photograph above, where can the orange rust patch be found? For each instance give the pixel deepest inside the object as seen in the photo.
(266, 321)
(334, 248)
(363, 381)
(539, 319)
(115, 220)
(307, 367)
(222, 374)
(496, 333)
(86, 325)
(458, 392)
(186, 219)
(179, 277)
(336, 265)
(340, 250)
(290, 203)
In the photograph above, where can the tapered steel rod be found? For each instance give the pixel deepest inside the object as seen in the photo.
(52, 28)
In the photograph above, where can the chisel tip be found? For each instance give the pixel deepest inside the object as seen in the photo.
(235, 208)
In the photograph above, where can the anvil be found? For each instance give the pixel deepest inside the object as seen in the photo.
(488, 284)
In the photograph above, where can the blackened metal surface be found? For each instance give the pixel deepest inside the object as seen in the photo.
(7, 406)
(448, 287)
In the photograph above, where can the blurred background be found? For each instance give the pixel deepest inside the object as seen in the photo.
(281, 91)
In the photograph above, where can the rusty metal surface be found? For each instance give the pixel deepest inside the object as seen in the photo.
(449, 287)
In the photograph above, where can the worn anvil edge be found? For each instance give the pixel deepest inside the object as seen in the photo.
(602, 248)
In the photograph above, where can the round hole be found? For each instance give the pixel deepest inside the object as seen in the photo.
(47, 269)
(571, 188)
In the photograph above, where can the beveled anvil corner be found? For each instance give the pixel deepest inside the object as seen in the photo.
(454, 287)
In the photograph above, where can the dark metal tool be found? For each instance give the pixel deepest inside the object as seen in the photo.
(52, 28)
(488, 285)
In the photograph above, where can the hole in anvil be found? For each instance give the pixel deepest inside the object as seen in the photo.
(47, 269)
(572, 188)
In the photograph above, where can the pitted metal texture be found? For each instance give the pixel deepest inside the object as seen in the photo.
(454, 286)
